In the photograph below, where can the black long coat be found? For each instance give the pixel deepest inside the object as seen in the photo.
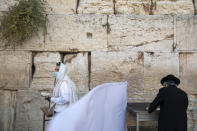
(173, 109)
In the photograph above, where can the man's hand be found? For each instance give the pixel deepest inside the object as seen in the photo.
(48, 98)
(147, 108)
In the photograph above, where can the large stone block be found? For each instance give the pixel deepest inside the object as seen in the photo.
(133, 7)
(5, 4)
(77, 70)
(7, 110)
(173, 7)
(186, 29)
(28, 114)
(188, 65)
(15, 69)
(44, 63)
(35, 43)
(116, 67)
(96, 6)
(76, 32)
(43, 84)
(156, 66)
(140, 31)
(61, 6)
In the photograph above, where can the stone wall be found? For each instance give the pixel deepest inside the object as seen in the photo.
(138, 41)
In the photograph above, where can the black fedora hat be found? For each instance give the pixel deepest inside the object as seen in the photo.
(170, 78)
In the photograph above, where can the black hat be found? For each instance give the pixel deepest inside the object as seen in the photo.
(170, 78)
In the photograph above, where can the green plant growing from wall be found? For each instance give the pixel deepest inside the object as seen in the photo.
(22, 21)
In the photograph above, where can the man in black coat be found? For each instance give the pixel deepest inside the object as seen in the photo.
(173, 104)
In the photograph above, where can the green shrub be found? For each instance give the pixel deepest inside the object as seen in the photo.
(22, 21)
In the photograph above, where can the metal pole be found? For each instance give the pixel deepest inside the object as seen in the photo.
(137, 122)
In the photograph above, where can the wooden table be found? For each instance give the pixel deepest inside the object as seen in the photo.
(139, 113)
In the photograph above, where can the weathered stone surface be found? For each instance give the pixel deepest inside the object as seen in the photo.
(192, 108)
(173, 7)
(35, 43)
(133, 7)
(160, 46)
(96, 6)
(188, 65)
(77, 70)
(195, 116)
(192, 102)
(76, 32)
(158, 65)
(7, 110)
(15, 69)
(190, 122)
(28, 114)
(186, 28)
(43, 83)
(61, 6)
(44, 63)
(6, 3)
(138, 30)
(142, 96)
(1, 41)
(195, 6)
(117, 67)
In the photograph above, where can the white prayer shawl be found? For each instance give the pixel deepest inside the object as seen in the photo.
(102, 109)
(64, 92)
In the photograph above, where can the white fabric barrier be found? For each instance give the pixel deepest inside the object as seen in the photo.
(102, 109)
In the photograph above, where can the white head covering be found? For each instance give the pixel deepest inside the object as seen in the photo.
(63, 77)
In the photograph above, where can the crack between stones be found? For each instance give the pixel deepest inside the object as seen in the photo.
(114, 6)
(33, 67)
(108, 29)
(174, 45)
(146, 43)
(89, 70)
(194, 6)
(14, 117)
(151, 8)
(45, 31)
(77, 6)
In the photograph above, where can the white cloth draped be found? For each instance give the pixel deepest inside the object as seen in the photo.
(64, 92)
(102, 109)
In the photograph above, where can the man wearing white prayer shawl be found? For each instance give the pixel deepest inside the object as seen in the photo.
(102, 109)
(64, 93)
